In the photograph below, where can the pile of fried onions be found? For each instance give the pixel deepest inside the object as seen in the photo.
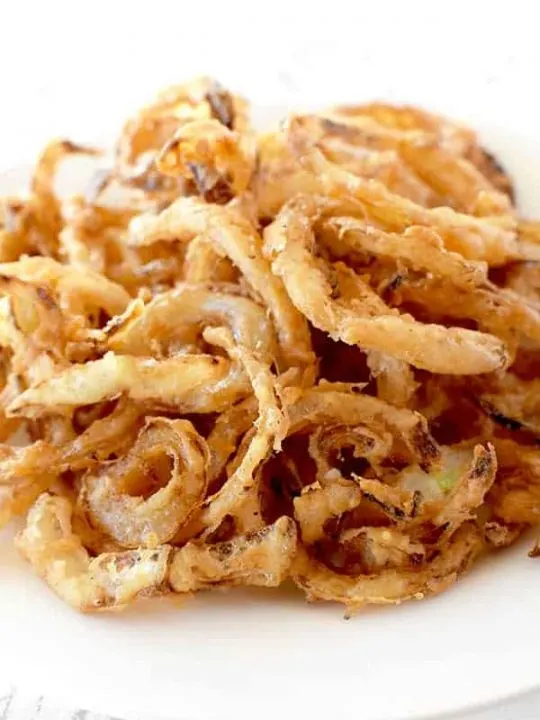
(241, 358)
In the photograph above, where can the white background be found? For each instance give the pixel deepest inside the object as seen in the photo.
(77, 69)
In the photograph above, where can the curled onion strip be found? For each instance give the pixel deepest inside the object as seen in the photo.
(365, 319)
(234, 237)
(110, 580)
(114, 499)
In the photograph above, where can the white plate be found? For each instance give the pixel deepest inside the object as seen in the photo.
(245, 655)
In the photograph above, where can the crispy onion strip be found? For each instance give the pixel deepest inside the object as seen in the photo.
(187, 383)
(107, 581)
(271, 427)
(110, 434)
(146, 133)
(366, 320)
(452, 137)
(389, 586)
(455, 138)
(395, 378)
(455, 179)
(14, 240)
(326, 441)
(500, 311)
(381, 547)
(319, 503)
(418, 246)
(229, 427)
(92, 236)
(17, 498)
(515, 495)
(328, 404)
(219, 161)
(202, 264)
(492, 239)
(385, 166)
(33, 329)
(279, 176)
(77, 291)
(453, 492)
(261, 558)
(35, 314)
(114, 498)
(25, 472)
(396, 503)
(197, 305)
(42, 217)
(235, 238)
(470, 489)
(511, 403)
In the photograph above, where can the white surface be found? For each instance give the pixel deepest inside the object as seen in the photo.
(17, 704)
(230, 656)
(77, 69)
